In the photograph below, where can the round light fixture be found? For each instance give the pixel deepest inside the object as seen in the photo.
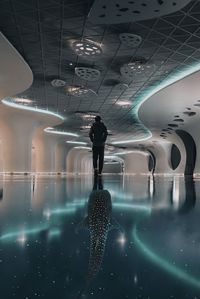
(135, 68)
(87, 49)
(88, 74)
(58, 83)
(130, 40)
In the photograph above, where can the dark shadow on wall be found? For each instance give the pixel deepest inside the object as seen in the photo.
(151, 162)
(175, 157)
(190, 148)
(190, 196)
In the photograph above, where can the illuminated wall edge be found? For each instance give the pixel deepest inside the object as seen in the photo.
(7, 102)
(50, 131)
(144, 95)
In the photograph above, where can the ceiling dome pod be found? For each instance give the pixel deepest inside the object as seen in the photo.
(125, 11)
(88, 74)
(130, 40)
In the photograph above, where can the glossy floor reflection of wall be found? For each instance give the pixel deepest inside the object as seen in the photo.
(146, 230)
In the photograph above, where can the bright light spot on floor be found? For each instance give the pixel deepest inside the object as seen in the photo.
(22, 239)
(122, 240)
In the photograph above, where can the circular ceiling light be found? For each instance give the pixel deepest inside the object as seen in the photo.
(58, 83)
(88, 74)
(80, 91)
(130, 40)
(87, 49)
(135, 68)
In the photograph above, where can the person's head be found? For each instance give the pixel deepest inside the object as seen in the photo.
(98, 118)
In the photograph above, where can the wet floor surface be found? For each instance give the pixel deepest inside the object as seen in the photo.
(118, 237)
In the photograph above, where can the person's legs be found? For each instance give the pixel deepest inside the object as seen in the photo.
(95, 157)
(101, 158)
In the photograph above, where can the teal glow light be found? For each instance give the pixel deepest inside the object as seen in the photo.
(145, 94)
(54, 233)
(165, 265)
(19, 233)
(136, 207)
(9, 103)
(63, 211)
(52, 131)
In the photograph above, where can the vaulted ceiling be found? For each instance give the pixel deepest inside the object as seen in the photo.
(44, 33)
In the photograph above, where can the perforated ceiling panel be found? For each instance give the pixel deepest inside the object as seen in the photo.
(88, 74)
(87, 49)
(130, 40)
(123, 11)
(58, 83)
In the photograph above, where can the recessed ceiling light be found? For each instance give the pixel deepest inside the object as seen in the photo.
(82, 147)
(23, 101)
(88, 117)
(124, 104)
(86, 127)
(87, 49)
(88, 74)
(75, 142)
(130, 40)
(79, 91)
(58, 83)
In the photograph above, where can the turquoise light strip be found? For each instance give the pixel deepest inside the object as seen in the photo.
(33, 109)
(162, 263)
(52, 131)
(16, 234)
(136, 207)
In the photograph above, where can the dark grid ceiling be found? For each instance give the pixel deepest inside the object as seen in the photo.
(41, 30)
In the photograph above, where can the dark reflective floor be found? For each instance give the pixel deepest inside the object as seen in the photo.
(119, 237)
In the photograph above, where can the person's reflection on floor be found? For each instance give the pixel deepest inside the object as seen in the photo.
(98, 183)
(1, 194)
(190, 196)
(99, 222)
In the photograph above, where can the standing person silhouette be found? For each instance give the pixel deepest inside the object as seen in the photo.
(98, 135)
